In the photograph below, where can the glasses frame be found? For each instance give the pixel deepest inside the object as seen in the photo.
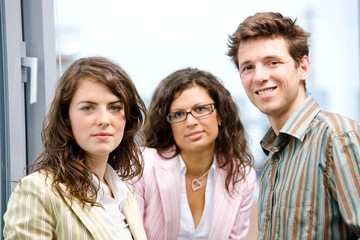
(190, 112)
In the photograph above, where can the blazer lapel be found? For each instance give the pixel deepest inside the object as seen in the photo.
(91, 217)
(133, 217)
(169, 182)
(224, 208)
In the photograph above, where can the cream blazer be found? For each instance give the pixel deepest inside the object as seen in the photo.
(159, 195)
(36, 212)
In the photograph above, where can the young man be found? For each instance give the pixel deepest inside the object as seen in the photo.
(310, 183)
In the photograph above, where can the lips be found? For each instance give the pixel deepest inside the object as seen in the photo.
(102, 134)
(195, 135)
(265, 91)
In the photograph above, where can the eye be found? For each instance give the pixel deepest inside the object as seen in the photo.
(273, 63)
(202, 108)
(179, 114)
(116, 108)
(87, 108)
(246, 68)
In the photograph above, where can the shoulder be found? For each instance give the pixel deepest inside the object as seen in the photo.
(336, 124)
(246, 179)
(154, 164)
(250, 174)
(249, 179)
(36, 185)
(149, 152)
(35, 180)
(152, 156)
(248, 182)
(33, 190)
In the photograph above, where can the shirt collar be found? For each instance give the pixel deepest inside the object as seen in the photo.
(295, 126)
(114, 181)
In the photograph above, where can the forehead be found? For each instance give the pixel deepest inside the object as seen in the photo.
(262, 48)
(190, 97)
(91, 88)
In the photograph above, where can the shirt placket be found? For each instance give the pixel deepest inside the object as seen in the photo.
(275, 158)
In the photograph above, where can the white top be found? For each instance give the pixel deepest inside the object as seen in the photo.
(112, 206)
(187, 228)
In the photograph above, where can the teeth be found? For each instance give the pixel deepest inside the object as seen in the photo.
(265, 91)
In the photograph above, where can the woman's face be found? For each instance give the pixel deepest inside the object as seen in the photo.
(194, 135)
(97, 118)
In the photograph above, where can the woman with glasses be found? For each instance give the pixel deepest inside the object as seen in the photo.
(198, 181)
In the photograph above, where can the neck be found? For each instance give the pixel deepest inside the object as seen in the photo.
(97, 167)
(197, 165)
(278, 119)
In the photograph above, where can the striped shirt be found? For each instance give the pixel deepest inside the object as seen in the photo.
(310, 183)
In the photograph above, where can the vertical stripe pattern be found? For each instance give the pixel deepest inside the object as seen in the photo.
(159, 193)
(310, 183)
(34, 211)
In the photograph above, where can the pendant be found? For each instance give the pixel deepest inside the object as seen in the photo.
(196, 185)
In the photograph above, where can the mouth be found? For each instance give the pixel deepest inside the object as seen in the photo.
(194, 136)
(102, 134)
(265, 91)
(194, 133)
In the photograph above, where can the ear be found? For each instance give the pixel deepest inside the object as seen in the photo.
(304, 68)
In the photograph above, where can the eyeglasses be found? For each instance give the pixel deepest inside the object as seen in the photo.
(197, 112)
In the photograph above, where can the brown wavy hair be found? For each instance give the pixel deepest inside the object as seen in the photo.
(270, 25)
(231, 147)
(62, 157)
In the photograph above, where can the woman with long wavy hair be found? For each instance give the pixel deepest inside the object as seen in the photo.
(77, 190)
(198, 179)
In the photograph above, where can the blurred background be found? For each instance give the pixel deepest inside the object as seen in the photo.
(151, 39)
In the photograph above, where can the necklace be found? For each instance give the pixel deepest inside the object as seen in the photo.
(196, 183)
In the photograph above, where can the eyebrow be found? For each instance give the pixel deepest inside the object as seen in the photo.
(244, 63)
(94, 103)
(262, 59)
(196, 105)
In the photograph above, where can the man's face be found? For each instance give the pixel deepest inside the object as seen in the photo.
(271, 78)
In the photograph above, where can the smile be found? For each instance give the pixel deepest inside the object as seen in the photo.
(262, 92)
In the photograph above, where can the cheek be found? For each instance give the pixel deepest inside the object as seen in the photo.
(78, 125)
(246, 83)
(120, 125)
(78, 130)
(176, 132)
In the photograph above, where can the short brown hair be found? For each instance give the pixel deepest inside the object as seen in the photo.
(269, 25)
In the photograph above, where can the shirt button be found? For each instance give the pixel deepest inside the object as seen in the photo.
(276, 157)
(268, 217)
(272, 187)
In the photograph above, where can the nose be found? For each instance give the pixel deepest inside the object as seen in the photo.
(190, 119)
(103, 118)
(260, 74)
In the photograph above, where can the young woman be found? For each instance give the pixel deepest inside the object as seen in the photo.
(77, 190)
(198, 180)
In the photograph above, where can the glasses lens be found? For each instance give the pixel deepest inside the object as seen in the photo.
(201, 111)
(197, 112)
(176, 116)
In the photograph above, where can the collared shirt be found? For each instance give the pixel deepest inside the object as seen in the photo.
(187, 228)
(113, 206)
(310, 183)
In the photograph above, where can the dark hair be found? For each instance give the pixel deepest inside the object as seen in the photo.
(231, 147)
(270, 25)
(62, 156)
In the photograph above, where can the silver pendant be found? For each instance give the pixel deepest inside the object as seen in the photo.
(196, 185)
